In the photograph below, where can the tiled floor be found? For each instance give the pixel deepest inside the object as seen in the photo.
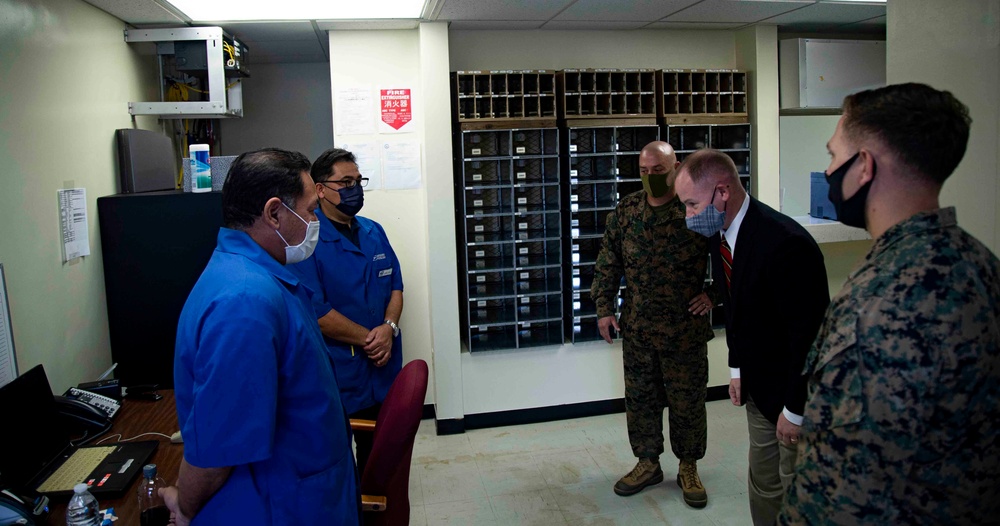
(561, 473)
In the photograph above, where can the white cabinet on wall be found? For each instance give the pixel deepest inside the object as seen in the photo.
(820, 73)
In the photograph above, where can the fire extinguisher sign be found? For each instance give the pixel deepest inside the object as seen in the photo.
(397, 107)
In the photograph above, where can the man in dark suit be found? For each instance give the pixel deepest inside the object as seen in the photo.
(770, 274)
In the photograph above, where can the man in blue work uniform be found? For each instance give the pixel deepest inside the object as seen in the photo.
(358, 291)
(265, 435)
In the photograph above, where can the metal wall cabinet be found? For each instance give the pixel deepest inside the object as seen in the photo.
(511, 235)
(602, 166)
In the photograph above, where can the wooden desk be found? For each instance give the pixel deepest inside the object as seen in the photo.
(136, 417)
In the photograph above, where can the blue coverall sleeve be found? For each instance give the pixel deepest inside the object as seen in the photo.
(397, 276)
(309, 272)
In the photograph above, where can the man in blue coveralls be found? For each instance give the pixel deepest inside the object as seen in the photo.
(266, 439)
(358, 291)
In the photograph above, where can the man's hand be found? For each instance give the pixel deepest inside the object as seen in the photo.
(604, 324)
(700, 305)
(734, 391)
(169, 495)
(786, 431)
(378, 344)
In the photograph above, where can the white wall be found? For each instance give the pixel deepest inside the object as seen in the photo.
(396, 59)
(955, 45)
(590, 49)
(284, 106)
(803, 150)
(66, 75)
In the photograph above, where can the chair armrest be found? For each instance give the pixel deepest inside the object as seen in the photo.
(358, 424)
(373, 503)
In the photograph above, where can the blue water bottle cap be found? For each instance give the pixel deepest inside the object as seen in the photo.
(149, 471)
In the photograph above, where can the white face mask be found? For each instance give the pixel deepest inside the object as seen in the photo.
(302, 251)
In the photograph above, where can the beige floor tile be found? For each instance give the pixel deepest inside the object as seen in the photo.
(475, 512)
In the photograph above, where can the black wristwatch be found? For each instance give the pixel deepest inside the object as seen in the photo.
(395, 328)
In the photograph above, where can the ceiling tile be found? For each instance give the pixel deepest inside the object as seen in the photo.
(695, 25)
(267, 31)
(593, 24)
(138, 11)
(828, 13)
(648, 10)
(501, 9)
(460, 25)
(745, 11)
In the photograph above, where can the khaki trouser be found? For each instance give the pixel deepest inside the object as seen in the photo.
(772, 464)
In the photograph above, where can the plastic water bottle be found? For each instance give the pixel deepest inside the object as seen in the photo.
(82, 509)
(201, 168)
(152, 510)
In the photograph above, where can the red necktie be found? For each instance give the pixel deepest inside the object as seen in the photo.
(727, 262)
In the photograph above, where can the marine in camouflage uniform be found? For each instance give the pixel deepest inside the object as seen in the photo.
(902, 422)
(665, 352)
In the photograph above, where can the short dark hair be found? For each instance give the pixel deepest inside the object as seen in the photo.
(322, 169)
(255, 177)
(706, 162)
(927, 129)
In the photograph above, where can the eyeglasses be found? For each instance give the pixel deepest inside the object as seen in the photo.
(349, 183)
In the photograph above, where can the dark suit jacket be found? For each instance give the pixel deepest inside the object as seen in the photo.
(778, 300)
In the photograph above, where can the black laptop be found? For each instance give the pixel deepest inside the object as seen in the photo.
(35, 450)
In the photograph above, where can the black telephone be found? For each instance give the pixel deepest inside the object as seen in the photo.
(88, 420)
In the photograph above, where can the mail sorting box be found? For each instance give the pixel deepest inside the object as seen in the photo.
(538, 280)
(540, 198)
(583, 304)
(590, 196)
(537, 226)
(530, 334)
(585, 251)
(492, 283)
(491, 257)
(500, 310)
(688, 138)
(628, 166)
(484, 229)
(592, 140)
(492, 337)
(634, 139)
(487, 200)
(735, 137)
(537, 253)
(535, 142)
(539, 307)
(487, 172)
(583, 278)
(592, 167)
(586, 329)
(536, 170)
(486, 143)
(588, 223)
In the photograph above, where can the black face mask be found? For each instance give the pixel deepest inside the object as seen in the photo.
(850, 212)
(351, 200)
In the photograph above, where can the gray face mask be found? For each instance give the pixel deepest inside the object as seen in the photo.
(709, 221)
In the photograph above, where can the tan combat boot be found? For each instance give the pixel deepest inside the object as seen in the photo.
(690, 483)
(646, 473)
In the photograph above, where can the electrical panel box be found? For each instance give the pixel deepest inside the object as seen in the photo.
(191, 56)
(816, 73)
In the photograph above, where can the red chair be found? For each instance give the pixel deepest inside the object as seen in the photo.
(385, 484)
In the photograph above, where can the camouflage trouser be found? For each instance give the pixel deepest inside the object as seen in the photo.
(658, 378)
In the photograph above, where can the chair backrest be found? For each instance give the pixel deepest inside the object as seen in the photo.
(388, 470)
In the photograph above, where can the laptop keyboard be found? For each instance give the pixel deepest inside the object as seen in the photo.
(75, 469)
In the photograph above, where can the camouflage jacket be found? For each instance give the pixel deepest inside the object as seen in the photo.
(664, 266)
(903, 416)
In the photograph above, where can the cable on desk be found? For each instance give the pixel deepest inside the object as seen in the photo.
(129, 439)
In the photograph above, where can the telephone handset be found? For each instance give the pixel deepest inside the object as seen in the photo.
(81, 414)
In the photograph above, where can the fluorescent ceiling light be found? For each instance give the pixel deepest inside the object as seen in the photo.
(234, 10)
